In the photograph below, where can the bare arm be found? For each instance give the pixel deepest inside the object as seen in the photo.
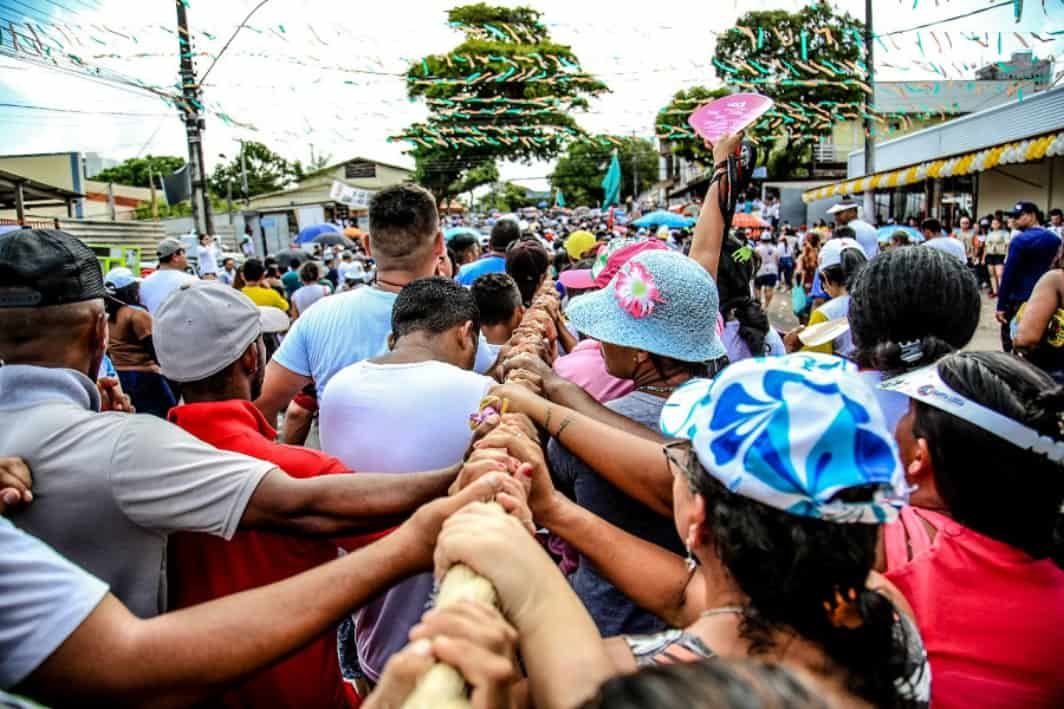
(563, 653)
(654, 578)
(278, 388)
(708, 237)
(635, 464)
(560, 390)
(332, 505)
(1047, 296)
(180, 657)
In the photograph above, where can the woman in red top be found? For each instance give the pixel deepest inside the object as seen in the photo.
(978, 554)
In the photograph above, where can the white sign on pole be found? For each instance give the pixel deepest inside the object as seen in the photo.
(351, 196)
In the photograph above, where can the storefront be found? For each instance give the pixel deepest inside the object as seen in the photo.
(977, 164)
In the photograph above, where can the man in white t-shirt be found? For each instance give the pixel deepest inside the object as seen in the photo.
(937, 239)
(408, 407)
(768, 272)
(351, 269)
(406, 242)
(207, 257)
(845, 213)
(171, 274)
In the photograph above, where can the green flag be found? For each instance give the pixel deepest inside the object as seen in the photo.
(611, 183)
(559, 199)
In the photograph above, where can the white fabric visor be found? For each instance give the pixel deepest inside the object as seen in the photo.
(926, 385)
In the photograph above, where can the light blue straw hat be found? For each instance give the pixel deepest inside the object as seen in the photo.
(661, 302)
(792, 432)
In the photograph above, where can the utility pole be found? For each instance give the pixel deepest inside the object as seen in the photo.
(194, 127)
(869, 124)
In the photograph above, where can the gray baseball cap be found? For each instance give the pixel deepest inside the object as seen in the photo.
(202, 328)
(168, 247)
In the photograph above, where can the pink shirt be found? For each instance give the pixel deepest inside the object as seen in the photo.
(992, 617)
(585, 366)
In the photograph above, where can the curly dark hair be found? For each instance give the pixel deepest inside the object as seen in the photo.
(716, 682)
(790, 567)
(969, 462)
(890, 305)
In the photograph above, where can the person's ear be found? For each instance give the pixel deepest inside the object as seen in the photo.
(365, 245)
(466, 336)
(249, 361)
(920, 469)
(392, 339)
(438, 247)
(696, 521)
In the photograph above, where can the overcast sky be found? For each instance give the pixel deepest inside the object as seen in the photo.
(324, 72)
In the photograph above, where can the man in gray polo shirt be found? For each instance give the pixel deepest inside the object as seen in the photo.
(109, 487)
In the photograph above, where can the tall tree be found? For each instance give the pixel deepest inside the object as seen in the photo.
(135, 171)
(506, 197)
(809, 62)
(672, 127)
(579, 172)
(505, 93)
(266, 172)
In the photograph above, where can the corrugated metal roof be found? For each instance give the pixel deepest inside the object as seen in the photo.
(1016, 120)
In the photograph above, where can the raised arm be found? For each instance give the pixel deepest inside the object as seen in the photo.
(332, 505)
(708, 237)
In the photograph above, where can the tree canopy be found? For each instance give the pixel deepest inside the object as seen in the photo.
(579, 172)
(135, 171)
(266, 170)
(506, 92)
(809, 62)
(506, 197)
(672, 127)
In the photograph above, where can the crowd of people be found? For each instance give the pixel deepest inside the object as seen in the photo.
(674, 503)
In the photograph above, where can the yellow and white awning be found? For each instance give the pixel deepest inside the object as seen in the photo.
(969, 163)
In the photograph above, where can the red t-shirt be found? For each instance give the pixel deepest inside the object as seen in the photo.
(992, 617)
(203, 567)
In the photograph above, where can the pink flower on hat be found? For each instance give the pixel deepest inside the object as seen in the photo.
(636, 291)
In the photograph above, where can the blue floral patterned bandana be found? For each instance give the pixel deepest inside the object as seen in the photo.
(792, 432)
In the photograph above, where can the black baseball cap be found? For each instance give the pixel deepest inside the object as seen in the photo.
(42, 267)
(1024, 208)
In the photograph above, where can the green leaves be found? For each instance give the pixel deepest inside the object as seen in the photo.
(505, 93)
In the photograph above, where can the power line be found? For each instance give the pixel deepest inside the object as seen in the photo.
(948, 19)
(228, 41)
(79, 111)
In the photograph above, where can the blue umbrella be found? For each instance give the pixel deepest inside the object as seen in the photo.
(884, 233)
(310, 232)
(663, 218)
(459, 231)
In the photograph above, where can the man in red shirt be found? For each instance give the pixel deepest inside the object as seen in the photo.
(211, 341)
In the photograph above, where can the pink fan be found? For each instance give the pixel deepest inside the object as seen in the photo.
(729, 114)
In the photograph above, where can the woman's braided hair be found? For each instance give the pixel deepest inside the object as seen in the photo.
(909, 307)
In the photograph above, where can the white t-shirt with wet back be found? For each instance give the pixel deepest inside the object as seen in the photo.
(397, 418)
